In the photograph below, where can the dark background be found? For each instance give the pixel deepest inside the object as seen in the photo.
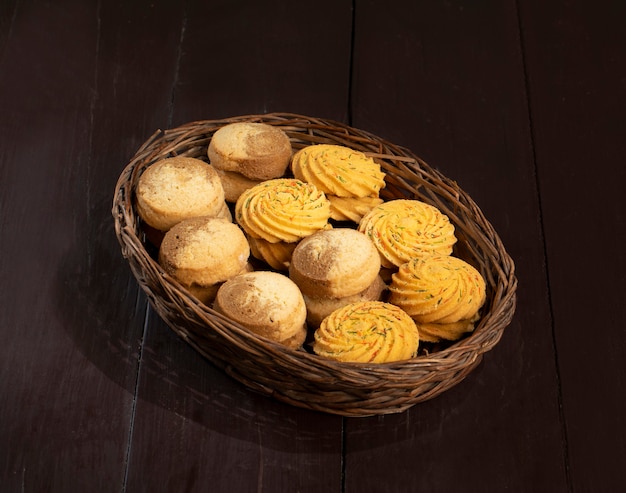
(522, 102)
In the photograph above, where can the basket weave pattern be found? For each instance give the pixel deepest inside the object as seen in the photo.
(298, 377)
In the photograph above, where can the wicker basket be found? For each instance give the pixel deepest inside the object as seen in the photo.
(299, 377)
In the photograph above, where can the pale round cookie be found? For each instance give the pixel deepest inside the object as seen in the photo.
(267, 303)
(367, 332)
(319, 308)
(334, 263)
(203, 251)
(235, 184)
(206, 294)
(178, 188)
(224, 213)
(258, 151)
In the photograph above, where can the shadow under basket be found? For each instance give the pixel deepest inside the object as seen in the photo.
(298, 377)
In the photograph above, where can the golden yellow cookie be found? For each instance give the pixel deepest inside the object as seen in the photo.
(178, 188)
(276, 255)
(434, 332)
(338, 170)
(403, 229)
(441, 289)
(351, 208)
(283, 209)
(367, 332)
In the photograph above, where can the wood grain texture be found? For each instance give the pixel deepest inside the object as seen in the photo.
(520, 101)
(576, 65)
(8, 12)
(241, 58)
(68, 363)
(459, 101)
(195, 427)
(237, 58)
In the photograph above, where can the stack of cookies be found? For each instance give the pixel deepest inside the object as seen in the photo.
(182, 205)
(277, 214)
(441, 293)
(333, 268)
(268, 304)
(175, 189)
(247, 153)
(203, 252)
(351, 180)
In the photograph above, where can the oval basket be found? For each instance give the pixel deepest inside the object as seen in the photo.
(299, 377)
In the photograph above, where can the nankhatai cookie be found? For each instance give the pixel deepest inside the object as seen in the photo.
(201, 252)
(438, 289)
(206, 294)
(319, 307)
(403, 229)
(367, 332)
(334, 263)
(267, 303)
(178, 188)
(283, 209)
(234, 184)
(257, 151)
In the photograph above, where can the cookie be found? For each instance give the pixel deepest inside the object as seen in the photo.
(367, 332)
(404, 229)
(440, 289)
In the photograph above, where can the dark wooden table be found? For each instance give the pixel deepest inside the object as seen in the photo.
(522, 102)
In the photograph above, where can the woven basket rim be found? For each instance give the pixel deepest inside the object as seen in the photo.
(404, 166)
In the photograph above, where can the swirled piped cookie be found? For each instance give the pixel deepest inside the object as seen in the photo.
(341, 172)
(403, 229)
(438, 289)
(283, 209)
(434, 332)
(351, 208)
(338, 170)
(367, 332)
(276, 255)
